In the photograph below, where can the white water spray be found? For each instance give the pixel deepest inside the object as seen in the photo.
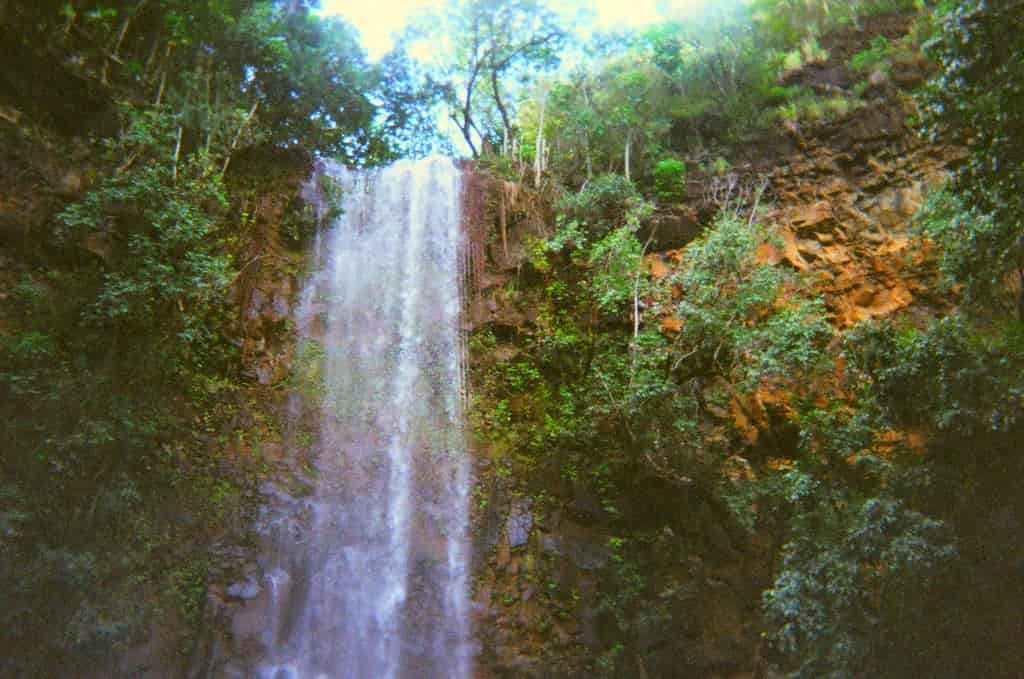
(369, 574)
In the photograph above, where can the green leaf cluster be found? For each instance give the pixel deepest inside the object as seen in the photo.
(735, 322)
(670, 180)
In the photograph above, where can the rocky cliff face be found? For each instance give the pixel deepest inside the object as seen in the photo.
(843, 195)
(44, 168)
(545, 556)
(271, 429)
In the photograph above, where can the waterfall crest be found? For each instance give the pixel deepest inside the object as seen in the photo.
(369, 574)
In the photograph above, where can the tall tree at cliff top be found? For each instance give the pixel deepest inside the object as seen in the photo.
(237, 74)
(490, 41)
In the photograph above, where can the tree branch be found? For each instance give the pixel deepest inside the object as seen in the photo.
(238, 136)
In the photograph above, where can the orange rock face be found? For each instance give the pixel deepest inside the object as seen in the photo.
(842, 203)
(671, 326)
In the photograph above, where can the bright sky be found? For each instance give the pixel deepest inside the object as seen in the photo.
(378, 20)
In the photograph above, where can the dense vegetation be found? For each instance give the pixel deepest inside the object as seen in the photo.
(882, 545)
(120, 374)
(121, 379)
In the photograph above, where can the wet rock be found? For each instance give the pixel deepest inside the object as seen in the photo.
(281, 305)
(809, 218)
(256, 301)
(249, 589)
(583, 547)
(586, 506)
(896, 207)
(673, 229)
(519, 523)
(233, 671)
(516, 665)
(590, 628)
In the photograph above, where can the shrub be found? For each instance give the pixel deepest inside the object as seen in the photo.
(876, 56)
(732, 323)
(669, 180)
(977, 249)
(840, 599)
(600, 205)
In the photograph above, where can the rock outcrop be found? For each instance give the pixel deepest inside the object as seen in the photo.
(843, 195)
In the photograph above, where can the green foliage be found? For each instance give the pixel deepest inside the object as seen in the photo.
(788, 21)
(241, 74)
(976, 97)
(670, 180)
(713, 80)
(625, 591)
(809, 52)
(873, 57)
(718, 71)
(616, 259)
(733, 321)
(977, 101)
(850, 578)
(311, 75)
(616, 262)
(951, 377)
(164, 258)
(890, 496)
(977, 250)
(877, 535)
(601, 205)
(110, 361)
(624, 415)
(808, 109)
(857, 551)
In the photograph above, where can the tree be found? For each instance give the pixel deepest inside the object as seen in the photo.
(309, 77)
(977, 101)
(406, 95)
(491, 40)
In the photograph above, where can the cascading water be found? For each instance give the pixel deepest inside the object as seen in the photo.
(368, 576)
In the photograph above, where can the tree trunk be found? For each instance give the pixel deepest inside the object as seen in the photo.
(163, 77)
(208, 115)
(177, 155)
(466, 130)
(589, 157)
(150, 59)
(116, 48)
(238, 137)
(466, 125)
(506, 123)
(1020, 294)
(538, 154)
(636, 306)
(629, 149)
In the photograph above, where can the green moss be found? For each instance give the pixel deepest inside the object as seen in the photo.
(307, 375)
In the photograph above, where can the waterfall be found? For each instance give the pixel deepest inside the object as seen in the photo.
(368, 577)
